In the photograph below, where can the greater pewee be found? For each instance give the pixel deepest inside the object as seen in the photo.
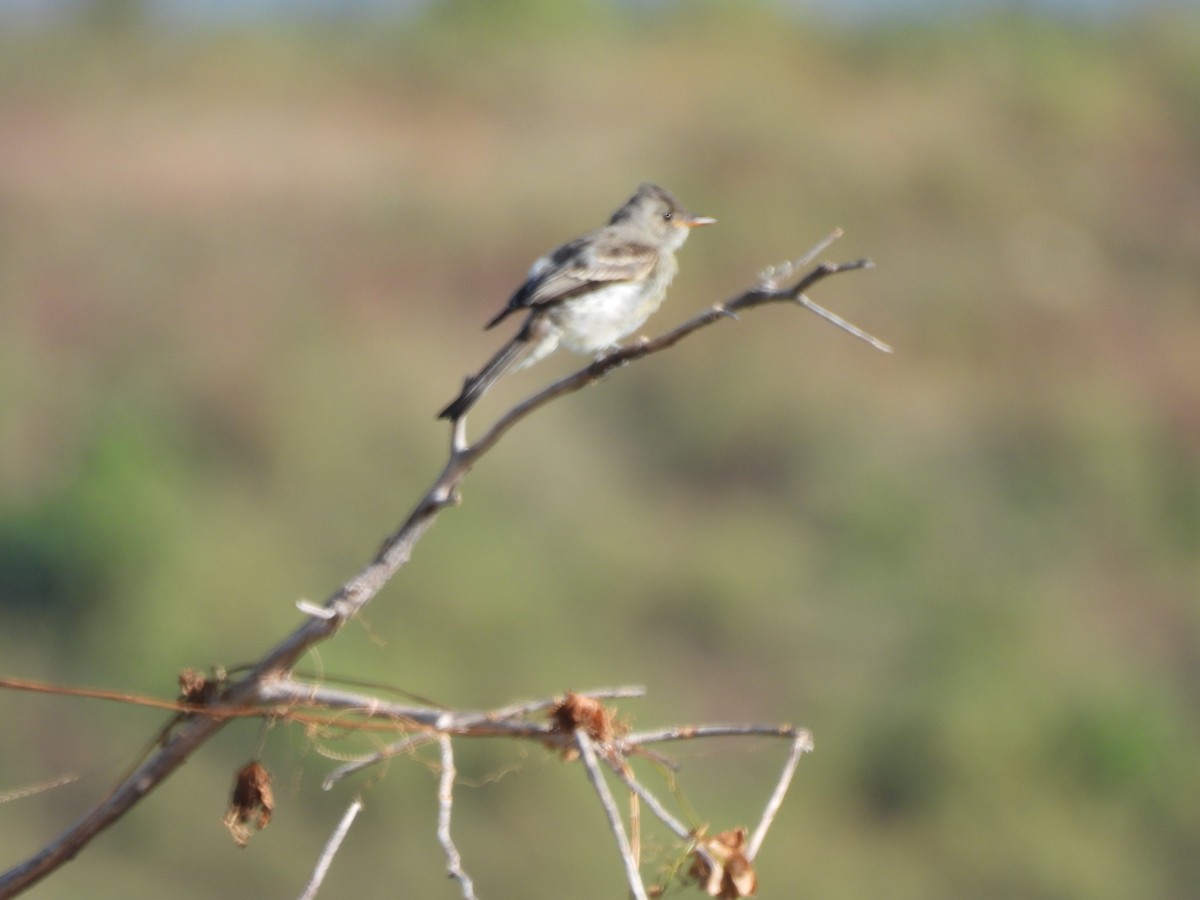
(593, 291)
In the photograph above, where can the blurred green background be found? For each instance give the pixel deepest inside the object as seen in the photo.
(243, 265)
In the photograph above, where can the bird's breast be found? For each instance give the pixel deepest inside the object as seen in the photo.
(600, 318)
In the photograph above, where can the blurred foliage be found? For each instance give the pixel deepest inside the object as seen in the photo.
(242, 267)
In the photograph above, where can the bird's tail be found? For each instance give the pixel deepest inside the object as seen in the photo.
(509, 356)
(496, 320)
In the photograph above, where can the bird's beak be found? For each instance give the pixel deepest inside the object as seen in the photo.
(697, 221)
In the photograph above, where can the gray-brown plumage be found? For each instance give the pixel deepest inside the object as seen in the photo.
(593, 291)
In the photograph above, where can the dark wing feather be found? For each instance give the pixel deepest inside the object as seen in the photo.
(574, 267)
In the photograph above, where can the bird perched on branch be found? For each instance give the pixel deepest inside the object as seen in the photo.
(593, 291)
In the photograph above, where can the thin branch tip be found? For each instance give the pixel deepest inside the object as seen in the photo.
(841, 323)
(864, 262)
(331, 848)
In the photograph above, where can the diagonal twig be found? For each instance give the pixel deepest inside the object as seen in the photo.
(801, 745)
(331, 848)
(588, 754)
(676, 827)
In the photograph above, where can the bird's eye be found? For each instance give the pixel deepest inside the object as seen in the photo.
(668, 215)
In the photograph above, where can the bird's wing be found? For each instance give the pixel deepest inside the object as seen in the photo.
(576, 266)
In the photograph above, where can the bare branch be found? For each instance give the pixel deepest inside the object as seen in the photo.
(801, 745)
(266, 681)
(773, 277)
(588, 755)
(445, 804)
(688, 732)
(510, 721)
(507, 720)
(407, 745)
(623, 772)
(757, 296)
(331, 848)
(843, 324)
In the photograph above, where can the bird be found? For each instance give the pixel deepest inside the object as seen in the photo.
(591, 292)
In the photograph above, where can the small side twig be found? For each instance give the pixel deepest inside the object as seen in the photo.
(445, 805)
(587, 753)
(801, 745)
(331, 848)
(405, 745)
(507, 721)
(639, 739)
(676, 827)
